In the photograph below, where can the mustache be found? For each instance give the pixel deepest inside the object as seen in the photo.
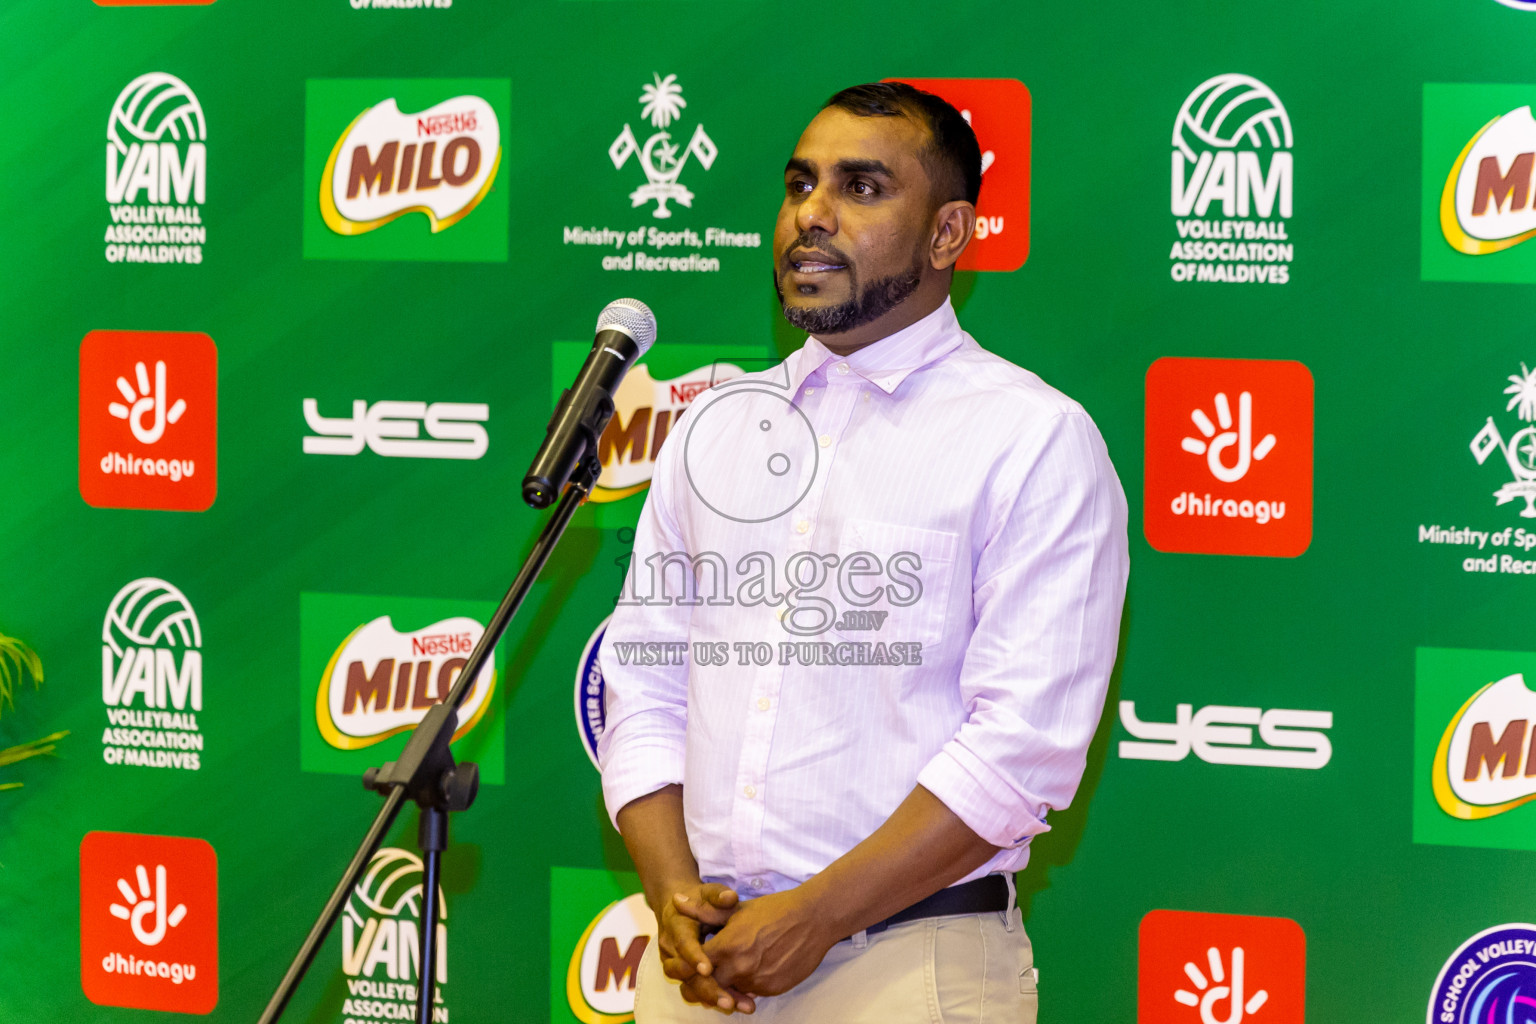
(807, 241)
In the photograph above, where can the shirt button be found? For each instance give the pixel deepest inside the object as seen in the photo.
(762, 703)
(810, 391)
(757, 883)
(842, 368)
(749, 792)
(824, 440)
(802, 526)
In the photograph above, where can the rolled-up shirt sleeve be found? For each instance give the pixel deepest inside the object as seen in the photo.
(1050, 585)
(646, 706)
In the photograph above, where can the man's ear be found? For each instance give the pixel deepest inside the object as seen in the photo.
(953, 225)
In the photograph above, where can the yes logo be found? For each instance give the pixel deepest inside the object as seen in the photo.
(149, 922)
(407, 169)
(148, 420)
(394, 429)
(1196, 968)
(370, 667)
(1229, 457)
(1224, 735)
(998, 111)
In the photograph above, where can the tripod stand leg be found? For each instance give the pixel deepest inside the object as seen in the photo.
(433, 837)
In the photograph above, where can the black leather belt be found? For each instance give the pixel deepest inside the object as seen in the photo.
(974, 897)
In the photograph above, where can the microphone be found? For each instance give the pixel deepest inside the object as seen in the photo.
(626, 328)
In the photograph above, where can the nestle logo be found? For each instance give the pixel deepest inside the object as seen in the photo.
(443, 124)
(688, 390)
(442, 643)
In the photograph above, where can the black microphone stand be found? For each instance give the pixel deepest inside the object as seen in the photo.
(427, 774)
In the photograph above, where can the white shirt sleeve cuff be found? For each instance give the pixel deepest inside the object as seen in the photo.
(988, 804)
(638, 766)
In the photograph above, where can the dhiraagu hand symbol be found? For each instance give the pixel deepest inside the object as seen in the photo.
(144, 904)
(1217, 990)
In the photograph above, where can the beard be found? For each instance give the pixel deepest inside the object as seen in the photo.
(868, 303)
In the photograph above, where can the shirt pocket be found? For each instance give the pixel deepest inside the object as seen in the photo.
(894, 583)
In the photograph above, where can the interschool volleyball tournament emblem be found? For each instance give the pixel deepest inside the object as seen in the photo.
(662, 158)
(1492, 977)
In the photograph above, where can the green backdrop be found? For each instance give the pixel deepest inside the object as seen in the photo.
(1409, 351)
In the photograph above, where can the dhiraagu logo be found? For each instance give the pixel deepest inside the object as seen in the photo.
(370, 667)
(409, 169)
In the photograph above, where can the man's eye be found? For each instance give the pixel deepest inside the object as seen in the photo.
(862, 188)
(802, 188)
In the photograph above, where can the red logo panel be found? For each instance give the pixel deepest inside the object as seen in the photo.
(1229, 457)
(999, 112)
(149, 922)
(149, 420)
(1201, 968)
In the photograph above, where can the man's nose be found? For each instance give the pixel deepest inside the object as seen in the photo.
(816, 212)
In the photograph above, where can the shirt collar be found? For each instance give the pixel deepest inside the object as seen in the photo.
(892, 359)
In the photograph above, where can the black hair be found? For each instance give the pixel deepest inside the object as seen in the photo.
(952, 156)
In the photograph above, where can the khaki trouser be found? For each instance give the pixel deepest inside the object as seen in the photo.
(965, 969)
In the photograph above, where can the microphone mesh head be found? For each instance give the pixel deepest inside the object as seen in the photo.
(631, 316)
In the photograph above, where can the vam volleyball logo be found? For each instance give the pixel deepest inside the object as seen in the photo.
(381, 942)
(1491, 977)
(371, 668)
(152, 677)
(408, 169)
(1232, 184)
(157, 173)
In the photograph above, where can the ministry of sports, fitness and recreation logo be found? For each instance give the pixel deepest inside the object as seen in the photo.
(657, 242)
(157, 173)
(660, 156)
(1491, 977)
(1232, 171)
(149, 922)
(152, 677)
(371, 667)
(381, 942)
(1229, 457)
(406, 169)
(1520, 450)
(149, 420)
(1199, 968)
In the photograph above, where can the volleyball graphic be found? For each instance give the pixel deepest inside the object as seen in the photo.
(155, 106)
(1228, 111)
(392, 886)
(150, 612)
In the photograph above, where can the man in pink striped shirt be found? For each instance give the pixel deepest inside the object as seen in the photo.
(869, 622)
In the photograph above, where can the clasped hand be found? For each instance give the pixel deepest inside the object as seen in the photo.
(763, 947)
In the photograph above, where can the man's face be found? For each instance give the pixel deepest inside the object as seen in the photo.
(852, 235)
